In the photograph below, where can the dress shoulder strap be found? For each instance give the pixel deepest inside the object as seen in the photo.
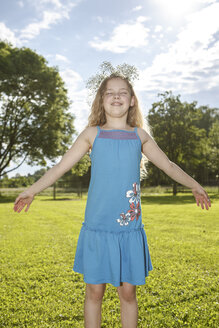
(98, 131)
(136, 132)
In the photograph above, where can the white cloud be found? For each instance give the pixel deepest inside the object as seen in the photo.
(56, 3)
(124, 37)
(7, 35)
(50, 16)
(78, 95)
(137, 8)
(142, 19)
(191, 63)
(71, 78)
(169, 29)
(158, 28)
(21, 4)
(61, 58)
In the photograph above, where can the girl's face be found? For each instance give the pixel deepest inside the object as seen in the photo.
(117, 98)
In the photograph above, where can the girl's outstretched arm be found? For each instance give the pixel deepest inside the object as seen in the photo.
(79, 148)
(158, 158)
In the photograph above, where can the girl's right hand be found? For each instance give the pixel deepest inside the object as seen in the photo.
(201, 197)
(25, 198)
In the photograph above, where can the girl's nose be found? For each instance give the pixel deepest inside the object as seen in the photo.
(116, 95)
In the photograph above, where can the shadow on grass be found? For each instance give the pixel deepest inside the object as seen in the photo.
(11, 199)
(166, 199)
(7, 199)
(148, 199)
(176, 200)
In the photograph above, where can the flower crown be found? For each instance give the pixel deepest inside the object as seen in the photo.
(124, 71)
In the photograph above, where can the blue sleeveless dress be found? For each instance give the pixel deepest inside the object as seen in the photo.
(112, 244)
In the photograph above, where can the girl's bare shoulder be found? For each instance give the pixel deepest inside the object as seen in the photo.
(90, 133)
(143, 135)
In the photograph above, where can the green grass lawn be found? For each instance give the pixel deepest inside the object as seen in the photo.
(39, 288)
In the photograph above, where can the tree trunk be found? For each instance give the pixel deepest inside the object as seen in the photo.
(79, 189)
(54, 191)
(174, 188)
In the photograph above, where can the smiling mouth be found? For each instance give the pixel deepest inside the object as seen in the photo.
(116, 104)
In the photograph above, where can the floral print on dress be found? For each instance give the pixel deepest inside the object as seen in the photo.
(124, 219)
(134, 193)
(134, 208)
(134, 211)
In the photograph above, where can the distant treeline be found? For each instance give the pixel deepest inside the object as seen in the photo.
(188, 134)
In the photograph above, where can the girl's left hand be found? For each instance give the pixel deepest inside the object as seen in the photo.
(202, 197)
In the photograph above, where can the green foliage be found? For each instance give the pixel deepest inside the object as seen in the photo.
(106, 69)
(38, 174)
(207, 117)
(79, 174)
(39, 288)
(180, 129)
(35, 123)
(213, 147)
(82, 167)
(16, 182)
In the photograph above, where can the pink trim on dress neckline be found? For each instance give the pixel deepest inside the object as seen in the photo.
(117, 134)
(117, 130)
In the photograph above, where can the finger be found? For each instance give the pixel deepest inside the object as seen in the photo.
(208, 199)
(20, 207)
(197, 201)
(202, 206)
(17, 209)
(17, 200)
(17, 205)
(206, 203)
(27, 208)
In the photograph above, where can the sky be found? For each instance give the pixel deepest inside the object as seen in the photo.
(173, 43)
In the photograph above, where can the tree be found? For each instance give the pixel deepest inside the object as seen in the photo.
(174, 128)
(35, 123)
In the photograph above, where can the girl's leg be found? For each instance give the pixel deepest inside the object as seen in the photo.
(128, 305)
(92, 305)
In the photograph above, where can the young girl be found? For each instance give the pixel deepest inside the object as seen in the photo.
(112, 245)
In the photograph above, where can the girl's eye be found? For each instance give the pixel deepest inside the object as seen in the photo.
(110, 94)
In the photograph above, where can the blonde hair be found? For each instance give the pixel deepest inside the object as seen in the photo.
(134, 119)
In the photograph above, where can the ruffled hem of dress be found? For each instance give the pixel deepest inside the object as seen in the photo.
(109, 281)
(108, 257)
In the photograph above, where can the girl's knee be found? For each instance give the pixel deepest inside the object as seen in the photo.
(127, 292)
(95, 292)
